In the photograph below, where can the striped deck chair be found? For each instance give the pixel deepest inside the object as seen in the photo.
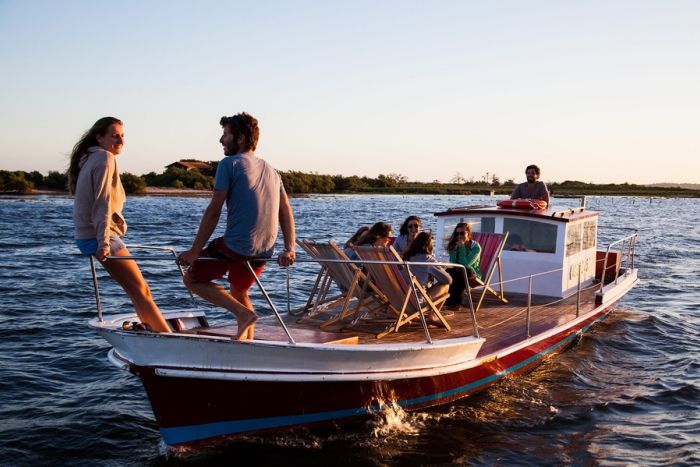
(393, 280)
(491, 247)
(348, 278)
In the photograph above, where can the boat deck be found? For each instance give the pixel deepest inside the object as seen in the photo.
(501, 324)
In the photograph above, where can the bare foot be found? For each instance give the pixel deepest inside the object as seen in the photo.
(246, 326)
(248, 333)
(432, 318)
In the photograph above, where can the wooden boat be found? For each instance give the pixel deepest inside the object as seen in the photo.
(205, 387)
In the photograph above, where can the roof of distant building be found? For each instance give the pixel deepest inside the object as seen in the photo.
(192, 165)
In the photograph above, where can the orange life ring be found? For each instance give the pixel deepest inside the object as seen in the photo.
(523, 204)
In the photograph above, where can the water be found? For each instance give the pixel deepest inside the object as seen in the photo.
(625, 394)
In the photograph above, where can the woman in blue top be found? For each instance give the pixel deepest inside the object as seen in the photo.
(463, 250)
(407, 233)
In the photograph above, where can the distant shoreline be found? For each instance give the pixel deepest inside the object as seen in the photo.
(149, 191)
(651, 192)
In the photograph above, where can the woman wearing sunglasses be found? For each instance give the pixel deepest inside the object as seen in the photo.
(407, 233)
(378, 235)
(463, 250)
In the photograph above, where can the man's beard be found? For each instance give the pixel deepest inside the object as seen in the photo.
(231, 149)
(530, 179)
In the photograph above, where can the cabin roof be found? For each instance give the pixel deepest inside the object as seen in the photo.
(551, 213)
(191, 165)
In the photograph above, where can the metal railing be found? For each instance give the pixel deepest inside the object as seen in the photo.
(264, 292)
(143, 247)
(627, 249)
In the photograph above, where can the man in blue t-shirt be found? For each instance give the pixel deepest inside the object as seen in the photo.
(256, 202)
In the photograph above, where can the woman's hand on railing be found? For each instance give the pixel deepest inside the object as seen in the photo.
(102, 254)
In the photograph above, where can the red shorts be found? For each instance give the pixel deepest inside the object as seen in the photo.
(238, 274)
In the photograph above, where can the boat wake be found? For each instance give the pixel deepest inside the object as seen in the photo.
(390, 419)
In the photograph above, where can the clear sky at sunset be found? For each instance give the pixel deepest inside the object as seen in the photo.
(596, 91)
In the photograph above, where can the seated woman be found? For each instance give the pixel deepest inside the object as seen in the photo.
(465, 251)
(347, 248)
(407, 233)
(434, 279)
(378, 235)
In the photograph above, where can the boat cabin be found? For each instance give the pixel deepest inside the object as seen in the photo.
(550, 245)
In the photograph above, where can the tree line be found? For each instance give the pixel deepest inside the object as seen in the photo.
(25, 182)
(296, 182)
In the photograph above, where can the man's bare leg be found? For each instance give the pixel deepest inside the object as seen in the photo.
(216, 294)
(242, 298)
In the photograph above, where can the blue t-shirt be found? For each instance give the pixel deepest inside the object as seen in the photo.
(252, 203)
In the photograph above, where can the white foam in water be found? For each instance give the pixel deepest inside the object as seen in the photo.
(391, 419)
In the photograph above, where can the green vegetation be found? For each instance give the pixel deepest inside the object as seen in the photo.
(132, 184)
(310, 183)
(24, 182)
(180, 178)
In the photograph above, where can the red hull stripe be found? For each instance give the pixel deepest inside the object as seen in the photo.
(186, 434)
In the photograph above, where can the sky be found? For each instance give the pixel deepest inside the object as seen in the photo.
(595, 91)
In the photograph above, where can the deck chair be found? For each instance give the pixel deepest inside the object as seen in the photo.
(397, 285)
(491, 247)
(349, 279)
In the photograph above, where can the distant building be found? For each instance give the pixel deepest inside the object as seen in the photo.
(203, 167)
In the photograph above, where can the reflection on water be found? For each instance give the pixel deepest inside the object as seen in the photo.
(624, 393)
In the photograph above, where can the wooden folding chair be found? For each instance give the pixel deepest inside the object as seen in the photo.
(491, 247)
(398, 286)
(349, 279)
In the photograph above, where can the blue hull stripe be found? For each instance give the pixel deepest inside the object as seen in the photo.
(198, 432)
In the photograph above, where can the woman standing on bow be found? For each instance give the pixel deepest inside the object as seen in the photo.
(97, 213)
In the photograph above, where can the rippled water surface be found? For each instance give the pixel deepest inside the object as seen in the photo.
(625, 394)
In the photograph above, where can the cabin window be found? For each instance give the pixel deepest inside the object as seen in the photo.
(589, 234)
(573, 239)
(536, 236)
(478, 224)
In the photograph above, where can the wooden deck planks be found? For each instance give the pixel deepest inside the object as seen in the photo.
(501, 324)
(497, 322)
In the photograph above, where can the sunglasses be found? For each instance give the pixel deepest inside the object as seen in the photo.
(413, 226)
(462, 233)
